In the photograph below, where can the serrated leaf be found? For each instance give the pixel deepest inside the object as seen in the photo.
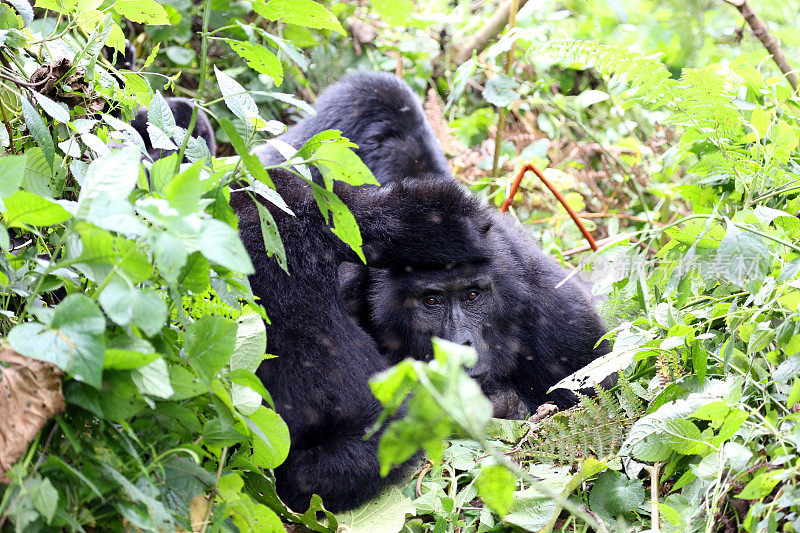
(337, 161)
(271, 448)
(501, 90)
(24, 208)
(56, 110)
(344, 223)
(209, 344)
(39, 130)
(12, 170)
(259, 59)
(73, 341)
(147, 12)
(220, 243)
(305, 13)
(239, 101)
(496, 486)
(386, 513)
(272, 239)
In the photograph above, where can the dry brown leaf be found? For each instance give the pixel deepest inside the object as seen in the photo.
(61, 83)
(30, 395)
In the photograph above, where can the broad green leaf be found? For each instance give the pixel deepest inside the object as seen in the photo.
(152, 379)
(24, 9)
(301, 12)
(501, 90)
(183, 192)
(496, 486)
(251, 162)
(259, 59)
(272, 240)
(344, 223)
(73, 341)
(169, 255)
(27, 209)
(761, 485)
(395, 12)
(179, 55)
(127, 304)
(614, 495)
(12, 170)
(114, 175)
(56, 110)
(743, 256)
(209, 344)
(385, 513)
(39, 130)
(337, 161)
(147, 12)
(220, 244)
(272, 452)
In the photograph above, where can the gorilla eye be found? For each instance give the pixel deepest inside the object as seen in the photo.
(473, 295)
(431, 300)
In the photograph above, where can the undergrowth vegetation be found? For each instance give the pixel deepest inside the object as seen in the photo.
(666, 126)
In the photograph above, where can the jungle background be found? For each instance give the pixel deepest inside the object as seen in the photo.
(668, 127)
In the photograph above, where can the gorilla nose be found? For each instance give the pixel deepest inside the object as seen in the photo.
(476, 371)
(467, 342)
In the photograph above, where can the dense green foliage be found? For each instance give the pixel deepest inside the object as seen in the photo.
(686, 162)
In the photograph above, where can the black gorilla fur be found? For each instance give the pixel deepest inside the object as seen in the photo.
(530, 335)
(319, 379)
(383, 117)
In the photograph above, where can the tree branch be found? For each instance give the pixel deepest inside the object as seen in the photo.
(770, 43)
(462, 51)
(514, 186)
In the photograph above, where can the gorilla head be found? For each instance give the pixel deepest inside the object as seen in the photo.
(455, 268)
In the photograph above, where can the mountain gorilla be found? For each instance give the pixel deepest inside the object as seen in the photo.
(502, 299)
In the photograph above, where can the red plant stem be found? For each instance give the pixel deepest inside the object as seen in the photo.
(514, 186)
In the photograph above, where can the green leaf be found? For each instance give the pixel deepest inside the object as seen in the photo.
(395, 12)
(337, 161)
(239, 102)
(56, 110)
(251, 162)
(220, 244)
(614, 494)
(272, 240)
(496, 486)
(209, 344)
(25, 208)
(305, 13)
(501, 90)
(259, 59)
(73, 341)
(24, 9)
(169, 255)
(39, 130)
(180, 55)
(44, 496)
(113, 175)
(761, 485)
(385, 513)
(273, 451)
(152, 379)
(344, 223)
(184, 191)
(147, 12)
(743, 256)
(127, 304)
(12, 170)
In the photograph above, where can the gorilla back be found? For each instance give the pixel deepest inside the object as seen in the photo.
(383, 117)
(319, 379)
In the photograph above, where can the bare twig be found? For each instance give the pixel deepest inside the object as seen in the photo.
(594, 215)
(514, 186)
(422, 474)
(462, 51)
(770, 43)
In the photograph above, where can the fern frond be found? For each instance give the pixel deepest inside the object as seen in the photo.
(596, 427)
(650, 78)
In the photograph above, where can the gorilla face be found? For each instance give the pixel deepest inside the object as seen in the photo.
(458, 303)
